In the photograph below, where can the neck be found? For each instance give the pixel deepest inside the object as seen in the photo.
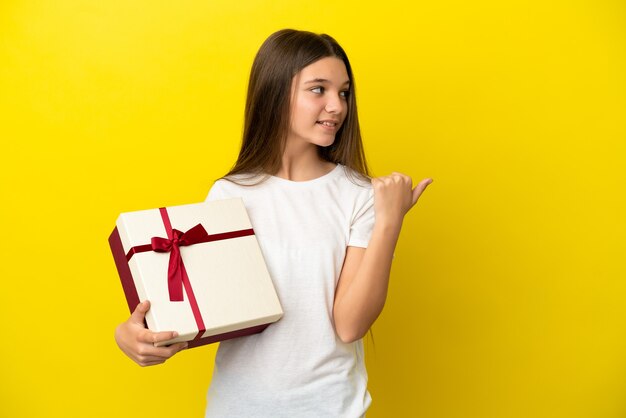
(303, 164)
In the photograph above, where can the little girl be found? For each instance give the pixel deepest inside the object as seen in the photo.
(326, 229)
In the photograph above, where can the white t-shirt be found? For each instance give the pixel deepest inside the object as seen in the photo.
(298, 367)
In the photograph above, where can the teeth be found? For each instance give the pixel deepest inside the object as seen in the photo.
(332, 124)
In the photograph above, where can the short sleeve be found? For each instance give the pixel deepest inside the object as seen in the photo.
(363, 223)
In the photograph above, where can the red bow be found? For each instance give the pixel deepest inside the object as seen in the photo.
(176, 272)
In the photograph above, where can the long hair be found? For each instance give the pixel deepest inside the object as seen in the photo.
(267, 114)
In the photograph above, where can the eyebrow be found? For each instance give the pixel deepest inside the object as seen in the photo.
(323, 80)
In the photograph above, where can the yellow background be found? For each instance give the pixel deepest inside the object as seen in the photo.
(508, 294)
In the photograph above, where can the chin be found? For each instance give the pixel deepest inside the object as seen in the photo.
(325, 143)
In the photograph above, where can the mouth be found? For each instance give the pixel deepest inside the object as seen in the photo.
(328, 123)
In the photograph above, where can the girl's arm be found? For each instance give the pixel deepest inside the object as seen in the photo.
(364, 278)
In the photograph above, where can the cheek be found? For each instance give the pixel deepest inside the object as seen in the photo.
(305, 110)
(344, 113)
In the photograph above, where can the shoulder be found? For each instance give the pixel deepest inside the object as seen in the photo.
(353, 179)
(234, 186)
(356, 185)
(354, 192)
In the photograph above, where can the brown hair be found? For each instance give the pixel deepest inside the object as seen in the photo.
(267, 115)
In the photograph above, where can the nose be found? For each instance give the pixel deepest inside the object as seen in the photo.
(335, 104)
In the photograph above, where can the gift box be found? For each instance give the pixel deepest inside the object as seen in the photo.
(201, 268)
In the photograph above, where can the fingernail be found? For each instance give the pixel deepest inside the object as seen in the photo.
(175, 334)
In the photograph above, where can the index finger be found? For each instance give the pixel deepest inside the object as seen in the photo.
(157, 337)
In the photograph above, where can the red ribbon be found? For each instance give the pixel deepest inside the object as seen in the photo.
(176, 272)
(177, 277)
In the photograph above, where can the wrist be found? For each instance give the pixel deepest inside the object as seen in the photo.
(388, 225)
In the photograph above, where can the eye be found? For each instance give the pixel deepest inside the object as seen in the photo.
(318, 90)
(345, 94)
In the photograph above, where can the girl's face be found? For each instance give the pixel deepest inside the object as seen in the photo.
(319, 102)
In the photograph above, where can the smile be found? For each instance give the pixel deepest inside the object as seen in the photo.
(328, 123)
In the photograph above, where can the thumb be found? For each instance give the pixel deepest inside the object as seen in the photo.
(139, 313)
(419, 189)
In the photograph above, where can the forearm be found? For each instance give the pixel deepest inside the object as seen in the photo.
(363, 300)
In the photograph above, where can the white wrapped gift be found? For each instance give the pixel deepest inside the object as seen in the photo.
(201, 268)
